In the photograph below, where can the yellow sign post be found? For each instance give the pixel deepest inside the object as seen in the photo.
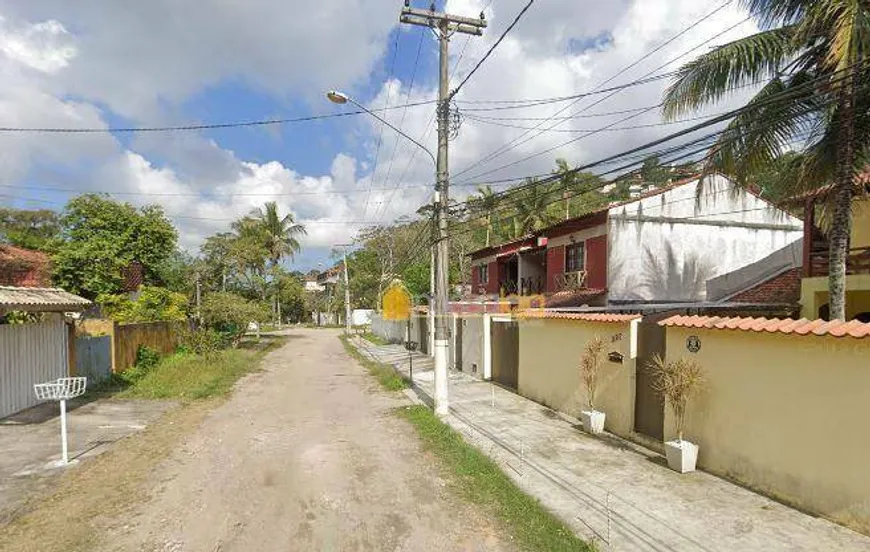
(396, 301)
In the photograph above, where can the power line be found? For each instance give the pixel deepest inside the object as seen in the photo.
(513, 146)
(514, 142)
(491, 49)
(194, 127)
(381, 133)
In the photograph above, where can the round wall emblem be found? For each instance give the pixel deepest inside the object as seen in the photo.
(693, 343)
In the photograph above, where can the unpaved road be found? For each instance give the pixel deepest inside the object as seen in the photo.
(306, 455)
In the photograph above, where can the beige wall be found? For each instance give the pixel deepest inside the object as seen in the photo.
(814, 294)
(860, 224)
(787, 415)
(550, 353)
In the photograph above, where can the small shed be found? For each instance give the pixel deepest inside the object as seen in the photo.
(33, 352)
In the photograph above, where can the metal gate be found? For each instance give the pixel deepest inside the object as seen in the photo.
(457, 343)
(423, 335)
(29, 354)
(94, 357)
(505, 353)
(649, 405)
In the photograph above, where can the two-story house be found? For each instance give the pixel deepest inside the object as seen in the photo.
(659, 247)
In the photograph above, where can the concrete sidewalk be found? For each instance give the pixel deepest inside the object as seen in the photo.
(612, 491)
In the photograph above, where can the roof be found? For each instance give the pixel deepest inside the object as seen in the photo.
(574, 298)
(40, 300)
(586, 317)
(835, 328)
(23, 267)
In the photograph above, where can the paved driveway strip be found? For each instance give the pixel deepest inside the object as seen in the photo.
(605, 486)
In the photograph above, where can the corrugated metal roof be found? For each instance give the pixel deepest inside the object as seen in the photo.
(586, 317)
(836, 328)
(40, 299)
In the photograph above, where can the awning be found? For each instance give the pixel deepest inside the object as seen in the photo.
(40, 300)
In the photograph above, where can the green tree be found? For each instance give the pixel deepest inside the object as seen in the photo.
(812, 54)
(100, 236)
(531, 209)
(230, 314)
(29, 229)
(153, 304)
(484, 204)
(653, 172)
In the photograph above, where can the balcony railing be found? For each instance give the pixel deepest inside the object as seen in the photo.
(857, 262)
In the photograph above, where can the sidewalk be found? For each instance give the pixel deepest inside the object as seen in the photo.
(610, 490)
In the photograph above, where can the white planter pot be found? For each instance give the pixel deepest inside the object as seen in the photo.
(593, 421)
(682, 455)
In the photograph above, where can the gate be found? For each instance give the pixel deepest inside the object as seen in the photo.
(457, 343)
(506, 353)
(649, 405)
(29, 354)
(94, 357)
(423, 334)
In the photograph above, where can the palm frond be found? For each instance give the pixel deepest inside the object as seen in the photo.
(775, 13)
(761, 133)
(709, 77)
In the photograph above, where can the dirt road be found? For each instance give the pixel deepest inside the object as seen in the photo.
(306, 455)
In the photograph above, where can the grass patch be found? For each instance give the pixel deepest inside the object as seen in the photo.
(481, 481)
(384, 373)
(374, 338)
(190, 376)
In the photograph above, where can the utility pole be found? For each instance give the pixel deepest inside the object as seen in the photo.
(444, 25)
(198, 300)
(347, 314)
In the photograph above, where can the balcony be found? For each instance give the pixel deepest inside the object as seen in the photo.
(857, 262)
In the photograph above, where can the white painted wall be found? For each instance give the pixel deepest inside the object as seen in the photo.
(665, 247)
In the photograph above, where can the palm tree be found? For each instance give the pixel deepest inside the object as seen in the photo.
(280, 237)
(812, 55)
(485, 203)
(531, 208)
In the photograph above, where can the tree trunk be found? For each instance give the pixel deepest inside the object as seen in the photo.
(841, 221)
(488, 228)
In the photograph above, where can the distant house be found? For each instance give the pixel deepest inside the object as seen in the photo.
(816, 256)
(24, 267)
(659, 247)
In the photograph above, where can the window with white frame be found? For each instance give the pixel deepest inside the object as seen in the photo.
(575, 257)
(483, 274)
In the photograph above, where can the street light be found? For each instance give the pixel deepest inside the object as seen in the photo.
(441, 400)
(341, 98)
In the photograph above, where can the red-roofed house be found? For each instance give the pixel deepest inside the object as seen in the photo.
(662, 246)
(24, 267)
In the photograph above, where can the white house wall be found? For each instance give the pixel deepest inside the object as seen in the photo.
(665, 247)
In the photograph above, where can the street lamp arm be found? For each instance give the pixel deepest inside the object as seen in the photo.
(336, 97)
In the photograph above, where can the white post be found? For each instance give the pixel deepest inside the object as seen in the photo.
(63, 430)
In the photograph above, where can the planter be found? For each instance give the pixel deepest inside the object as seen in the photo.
(682, 455)
(593, 421)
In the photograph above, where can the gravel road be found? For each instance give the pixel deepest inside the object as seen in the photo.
(306, 455)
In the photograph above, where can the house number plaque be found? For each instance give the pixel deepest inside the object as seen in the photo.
(693, 343)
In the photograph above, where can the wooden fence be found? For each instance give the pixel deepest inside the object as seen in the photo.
(29, 354)
(127, 338)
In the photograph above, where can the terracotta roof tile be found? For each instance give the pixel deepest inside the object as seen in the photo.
(835, 328)
(584, 316)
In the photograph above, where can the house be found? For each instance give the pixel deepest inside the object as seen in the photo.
(36, 352)
(24, 267)
(814, 281)
(659, 247)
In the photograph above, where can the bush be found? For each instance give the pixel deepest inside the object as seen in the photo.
(201, 341)
(229, 314)
(153, 304)
(146, 359)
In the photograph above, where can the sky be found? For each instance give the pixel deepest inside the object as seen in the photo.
(107, 65)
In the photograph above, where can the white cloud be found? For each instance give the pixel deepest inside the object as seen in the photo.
(63, 64)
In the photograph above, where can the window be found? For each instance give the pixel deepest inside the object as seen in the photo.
(575, 257)
(483, 274)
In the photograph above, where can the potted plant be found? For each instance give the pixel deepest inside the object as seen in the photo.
(590, 369)
(677, 381)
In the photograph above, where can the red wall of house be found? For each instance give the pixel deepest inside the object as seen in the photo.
(596, 262)
(555, 265)
(492, 285)
(475, 281)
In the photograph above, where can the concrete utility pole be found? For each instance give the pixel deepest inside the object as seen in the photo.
(347, 314)
(444, 25)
